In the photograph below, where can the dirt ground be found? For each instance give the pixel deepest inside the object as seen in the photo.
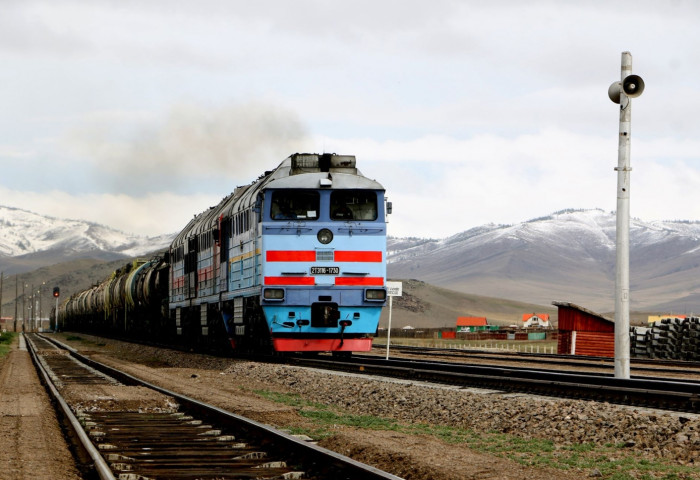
(32, 445)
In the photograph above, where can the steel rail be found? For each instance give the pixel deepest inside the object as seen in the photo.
(515, 368)
(317, 457)
(658, 393)
(638, 364)
(100, 464)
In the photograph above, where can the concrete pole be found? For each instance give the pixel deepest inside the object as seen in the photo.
(16, 301)
(622, 276)
(24, 307)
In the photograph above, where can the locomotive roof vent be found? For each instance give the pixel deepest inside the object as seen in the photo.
(327, 162)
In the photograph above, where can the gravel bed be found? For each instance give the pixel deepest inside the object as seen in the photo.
(565, 422)
(651, 433)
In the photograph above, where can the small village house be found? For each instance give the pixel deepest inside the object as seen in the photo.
(471, 324)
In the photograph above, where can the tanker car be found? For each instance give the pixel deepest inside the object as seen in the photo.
(293, 262)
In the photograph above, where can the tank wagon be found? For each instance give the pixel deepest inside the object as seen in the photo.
(293, 262)
(129, 302)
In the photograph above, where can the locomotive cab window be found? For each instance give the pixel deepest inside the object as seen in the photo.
(294, 205)
(353, 205)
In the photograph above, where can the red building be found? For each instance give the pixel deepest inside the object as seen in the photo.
(583, 332)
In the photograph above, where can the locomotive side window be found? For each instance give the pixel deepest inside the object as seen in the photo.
(353, 205)
(294, 205)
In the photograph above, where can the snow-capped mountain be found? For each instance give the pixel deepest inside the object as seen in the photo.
(25, 234)
(567, 256)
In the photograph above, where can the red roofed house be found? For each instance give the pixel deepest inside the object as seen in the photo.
(471, 324)
(536, 320)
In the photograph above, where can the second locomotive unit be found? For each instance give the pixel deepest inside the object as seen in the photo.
(293, 262)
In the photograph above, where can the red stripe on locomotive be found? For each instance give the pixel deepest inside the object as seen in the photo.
(350, 256)
(291, 256)
(289, 280)
(373, 281)
(310, 256)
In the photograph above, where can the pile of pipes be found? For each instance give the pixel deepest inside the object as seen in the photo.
(671, 338)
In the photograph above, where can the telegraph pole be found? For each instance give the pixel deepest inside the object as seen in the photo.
(16, 299)
(24, 307)
(629, 86)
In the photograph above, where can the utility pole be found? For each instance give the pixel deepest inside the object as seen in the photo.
(16, 300)
(32, 310)
(622, 92)
(41, 292)
(24, 307)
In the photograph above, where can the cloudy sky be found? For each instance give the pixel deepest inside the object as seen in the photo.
(139, 114)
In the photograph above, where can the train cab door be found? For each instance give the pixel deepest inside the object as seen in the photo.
(225, 236)
(216, 258)
(191, 267)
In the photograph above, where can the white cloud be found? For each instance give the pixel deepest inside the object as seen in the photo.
(441, 186)
(150, 215)
(468, 112)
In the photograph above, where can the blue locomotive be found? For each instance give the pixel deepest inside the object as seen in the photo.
(293, 262)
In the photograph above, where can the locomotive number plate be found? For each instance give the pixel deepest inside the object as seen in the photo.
(325, 270)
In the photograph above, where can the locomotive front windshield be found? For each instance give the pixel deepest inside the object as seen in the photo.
(294, 204)
(353, 205)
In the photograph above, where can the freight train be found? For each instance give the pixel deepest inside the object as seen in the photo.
(293, 262)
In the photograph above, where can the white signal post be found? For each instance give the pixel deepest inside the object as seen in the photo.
(393, 289)
(622, 92)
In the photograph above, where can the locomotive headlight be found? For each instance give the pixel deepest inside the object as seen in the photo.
(273, 294)
(375, 294)
(325, 236)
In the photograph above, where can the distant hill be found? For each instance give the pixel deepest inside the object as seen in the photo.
(29, 241)
(426, 306)
(71, 276)
(423, 305)
(566, 256)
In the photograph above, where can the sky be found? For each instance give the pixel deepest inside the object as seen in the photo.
(140, 114)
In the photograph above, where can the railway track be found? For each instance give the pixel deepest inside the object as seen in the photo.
(640, 366)
(660, 393)
(132, 430)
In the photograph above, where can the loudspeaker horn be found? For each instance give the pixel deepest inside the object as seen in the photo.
(614, 91)
(633, 86)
